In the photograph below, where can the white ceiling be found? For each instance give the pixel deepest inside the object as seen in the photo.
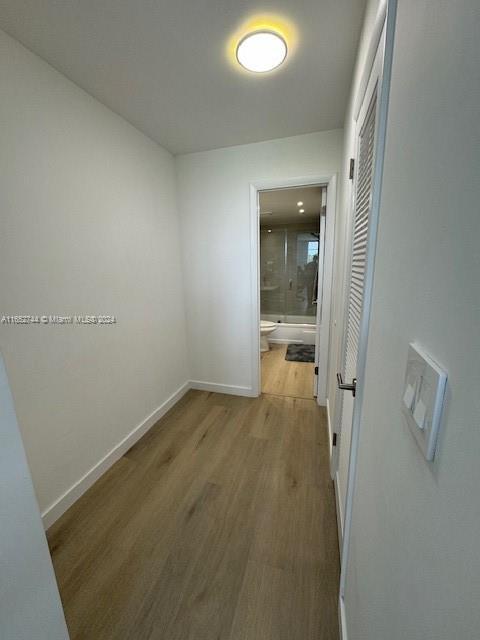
(162, 64)
(279, 206)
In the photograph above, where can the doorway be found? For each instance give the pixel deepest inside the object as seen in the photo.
(292, 269)
(291, 249)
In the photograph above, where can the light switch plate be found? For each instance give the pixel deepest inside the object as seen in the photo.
(423, 398)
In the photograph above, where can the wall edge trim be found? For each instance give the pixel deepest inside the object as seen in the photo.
(342, 618)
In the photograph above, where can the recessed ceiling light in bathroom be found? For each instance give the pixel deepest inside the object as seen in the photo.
(261, 51)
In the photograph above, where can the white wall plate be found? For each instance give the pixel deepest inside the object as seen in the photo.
(423, 398)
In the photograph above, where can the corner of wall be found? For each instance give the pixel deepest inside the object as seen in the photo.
(67, 499)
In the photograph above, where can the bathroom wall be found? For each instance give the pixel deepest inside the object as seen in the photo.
(214, 203)
(88, 226)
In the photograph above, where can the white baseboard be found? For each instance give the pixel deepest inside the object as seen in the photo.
(230, 389)
(330, 431)
(342, 616)
(335, 484)
(55, 510)
(339, 513)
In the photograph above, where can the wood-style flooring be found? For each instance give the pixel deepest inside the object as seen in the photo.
(219, 524)
(284, 378)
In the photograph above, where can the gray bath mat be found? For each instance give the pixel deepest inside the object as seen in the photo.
(300, 353)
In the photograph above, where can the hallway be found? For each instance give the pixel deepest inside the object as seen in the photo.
(219, 523)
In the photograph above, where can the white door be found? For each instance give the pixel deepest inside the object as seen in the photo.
(355, 330)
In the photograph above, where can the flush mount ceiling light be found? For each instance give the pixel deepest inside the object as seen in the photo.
(299, 204)
(261, 51)
(301, 211)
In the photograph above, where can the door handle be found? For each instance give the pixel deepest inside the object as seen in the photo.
(346, 387)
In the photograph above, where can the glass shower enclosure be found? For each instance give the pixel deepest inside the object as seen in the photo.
(291, 257)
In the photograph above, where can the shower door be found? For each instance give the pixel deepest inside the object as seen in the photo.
(301, 274)
(289, 273)
(272, 274)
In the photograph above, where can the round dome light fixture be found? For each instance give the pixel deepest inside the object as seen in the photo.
(261, 51)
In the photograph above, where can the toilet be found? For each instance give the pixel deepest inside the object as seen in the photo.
(266, 328)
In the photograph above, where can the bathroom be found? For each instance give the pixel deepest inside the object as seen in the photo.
(292, 249)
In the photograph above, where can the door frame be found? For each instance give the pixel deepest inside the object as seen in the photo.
(384, 28)
(322, 236)
(323, 332)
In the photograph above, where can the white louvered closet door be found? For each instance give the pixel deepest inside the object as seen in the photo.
(363, 193)
(362, 200)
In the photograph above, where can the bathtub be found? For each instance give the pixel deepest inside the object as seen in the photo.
(287, 332)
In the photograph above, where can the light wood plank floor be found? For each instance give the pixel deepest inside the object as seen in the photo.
(284, 378)
(219, 524)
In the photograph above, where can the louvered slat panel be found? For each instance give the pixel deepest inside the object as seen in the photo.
(363, 189)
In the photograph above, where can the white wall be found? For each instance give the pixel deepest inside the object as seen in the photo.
(214, 206)
(88, 226)
(414, 568)
(29, 601)
(342, 245)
